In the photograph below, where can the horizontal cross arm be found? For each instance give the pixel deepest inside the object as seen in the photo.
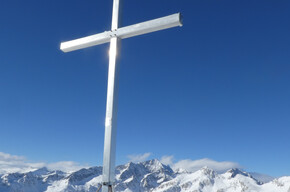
(85, 42)
(124, 32)
(150, 26)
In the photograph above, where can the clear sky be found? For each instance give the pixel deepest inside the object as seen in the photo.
(217, 88)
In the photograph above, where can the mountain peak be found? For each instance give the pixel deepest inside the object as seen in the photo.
(155, 165)
(82, 175)
(153, 162)
(235, 171)
(40, 171)
(208, 172)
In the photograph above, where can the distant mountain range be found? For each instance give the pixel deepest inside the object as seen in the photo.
(146, 176)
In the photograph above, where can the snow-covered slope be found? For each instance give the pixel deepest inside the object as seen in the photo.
(141, 177)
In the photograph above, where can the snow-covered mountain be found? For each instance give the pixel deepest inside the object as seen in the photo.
(148, 176)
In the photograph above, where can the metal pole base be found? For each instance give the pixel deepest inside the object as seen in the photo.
(107, 188)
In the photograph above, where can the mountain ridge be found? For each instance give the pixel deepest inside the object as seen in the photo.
(145, 176)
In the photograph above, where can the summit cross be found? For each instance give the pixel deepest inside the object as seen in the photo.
(114, 36)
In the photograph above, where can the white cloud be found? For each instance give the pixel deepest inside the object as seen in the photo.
(66, 166)
(194, 165)
(138, 157)
(167, 160)
(13, 163)
(8, 157)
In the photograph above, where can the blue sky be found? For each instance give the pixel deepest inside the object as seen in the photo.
(217, 88)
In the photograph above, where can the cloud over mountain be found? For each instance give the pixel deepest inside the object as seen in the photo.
(13, 163)
(194, 165)
(138, 157)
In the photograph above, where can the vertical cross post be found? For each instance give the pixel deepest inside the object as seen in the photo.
(114, 36)
(111, 107)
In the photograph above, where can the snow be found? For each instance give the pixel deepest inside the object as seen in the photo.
(146, 176)
(129, 180)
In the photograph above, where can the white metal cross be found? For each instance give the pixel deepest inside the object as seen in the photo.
(114, 36)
